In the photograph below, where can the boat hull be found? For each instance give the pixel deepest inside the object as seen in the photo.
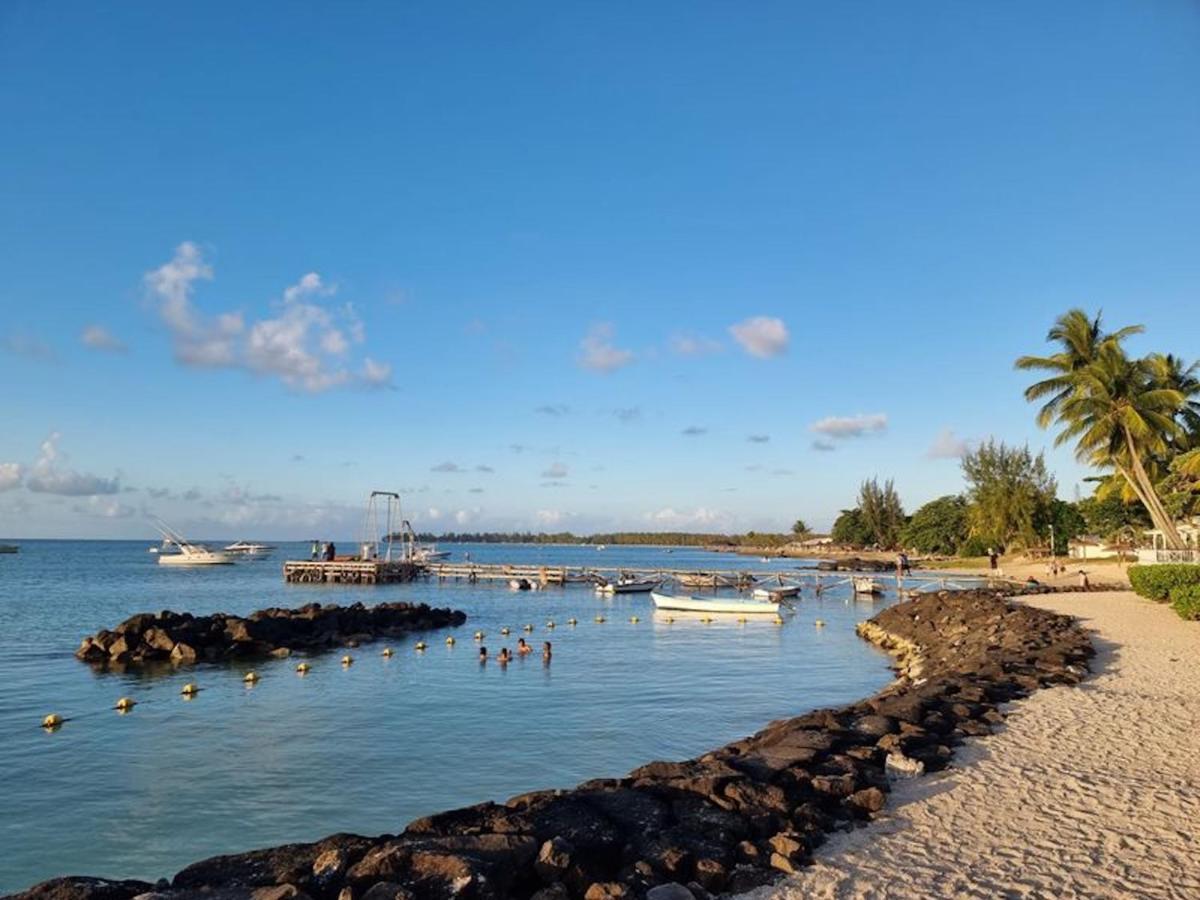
(713, 604)
(194, 559)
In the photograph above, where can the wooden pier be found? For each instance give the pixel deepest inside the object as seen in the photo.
(349, 571)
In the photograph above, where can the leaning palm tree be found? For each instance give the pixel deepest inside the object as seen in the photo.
(1081, 338)
(1119, 416)
(1170, 371)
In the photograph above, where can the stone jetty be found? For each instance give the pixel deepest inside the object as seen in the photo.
(182, 638)
(725, 822)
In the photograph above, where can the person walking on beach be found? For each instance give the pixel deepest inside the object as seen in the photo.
(903, 566)
(993, 559)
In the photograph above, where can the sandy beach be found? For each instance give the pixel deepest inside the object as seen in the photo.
(1089, 791)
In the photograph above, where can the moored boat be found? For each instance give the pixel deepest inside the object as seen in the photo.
(627, 586)
(179, 551)
(865, 584)
(249, 548)
(688, 603)
(776, 592)
(9, 548)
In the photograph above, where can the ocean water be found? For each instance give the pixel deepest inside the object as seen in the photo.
(368, 748)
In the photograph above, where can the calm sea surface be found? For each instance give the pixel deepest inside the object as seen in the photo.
(364, 749)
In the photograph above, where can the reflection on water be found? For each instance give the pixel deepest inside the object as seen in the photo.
(367, 747)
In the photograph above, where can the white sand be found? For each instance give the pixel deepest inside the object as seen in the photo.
(1089, 791)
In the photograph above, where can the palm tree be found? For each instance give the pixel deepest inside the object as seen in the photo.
(1122, 412)
(1120, 415)
(1171, 371)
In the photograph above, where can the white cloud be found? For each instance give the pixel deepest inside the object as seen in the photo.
(10, 475)
(628, 414)
(49, 476)
(947, 445)
(823, 446)
(761, 336)
(845, 427)
(758, 438)
(20, 344)
(100, 338)
(549, 516)
(598, 353)
(669, 517)
(556, 470)
(304, 345)
(104, 508)
(694, 431)
(447, 467)
(694, 345)
(554, 410)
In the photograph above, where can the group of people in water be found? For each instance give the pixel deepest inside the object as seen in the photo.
(505, 656)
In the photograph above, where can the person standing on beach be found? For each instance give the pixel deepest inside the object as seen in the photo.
(993, 559)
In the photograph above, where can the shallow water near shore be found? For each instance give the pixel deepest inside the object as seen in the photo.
(369, 747)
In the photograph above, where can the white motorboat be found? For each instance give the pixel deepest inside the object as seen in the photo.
(776, 592)
(427, 553)
(627, 586)
(865, 584)
(179, 551)
(249, 548)
(686, 603)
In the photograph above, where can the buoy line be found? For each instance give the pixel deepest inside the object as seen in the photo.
(125, 704)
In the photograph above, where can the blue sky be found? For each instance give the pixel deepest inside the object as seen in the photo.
(547, 265)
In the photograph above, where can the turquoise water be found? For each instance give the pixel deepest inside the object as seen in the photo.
(368, 748)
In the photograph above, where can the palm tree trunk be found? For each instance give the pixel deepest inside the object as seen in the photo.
(1140, 481)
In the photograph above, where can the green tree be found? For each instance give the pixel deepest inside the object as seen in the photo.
(1009, 493)
(882, 512)
(1116, 410)
(1064, 522)
(940, 526)
(849, 528)
(800, 528)
(1107, 516)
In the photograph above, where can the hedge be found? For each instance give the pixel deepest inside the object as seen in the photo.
(1157, 582)
(1185, 600)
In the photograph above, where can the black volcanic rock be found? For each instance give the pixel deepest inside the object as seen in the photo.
(182, 638)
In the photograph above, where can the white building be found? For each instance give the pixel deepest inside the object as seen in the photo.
(1157, 552)
(1086, 547)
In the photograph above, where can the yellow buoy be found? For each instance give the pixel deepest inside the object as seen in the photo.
(600, 620)
(303, 668)
(505, 631)
(572, 621)
(820, 623)
(550, 624)
(388, 651)
(527, 628)
(347, 660)
(633, 620)
(190, 689)
(420, 645)
(479, 635)
(250, 677)
(124, 704)
(450, 641)
(52, 721)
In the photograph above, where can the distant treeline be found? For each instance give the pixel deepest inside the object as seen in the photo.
(661, 538)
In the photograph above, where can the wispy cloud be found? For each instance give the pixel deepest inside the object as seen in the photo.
(947, 445)
(694, 345)
(554, 410)
(758, 438)
(104, 508)
(822, 446)
(701, 516)
(842, 428)
(11, 474)
(18, 343)
(97, 337)
(447, 466)
(555, 471)
(628, 414)
(599, 354)
(485, 469)
(694, 431)
(761, 336)
(50, 475)
(305, 344)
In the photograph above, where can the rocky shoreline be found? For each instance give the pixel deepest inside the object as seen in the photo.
(182, 638)
(724, 822)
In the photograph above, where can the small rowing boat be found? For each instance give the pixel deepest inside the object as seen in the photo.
(686, 603)
(776, 593)
(865, 584)
(627, 586)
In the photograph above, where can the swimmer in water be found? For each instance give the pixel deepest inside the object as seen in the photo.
(504, 657)
(522, 647)
(546, 652)
(483, 654)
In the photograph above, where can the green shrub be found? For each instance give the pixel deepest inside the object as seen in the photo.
(1156, 582)
(1185, 600)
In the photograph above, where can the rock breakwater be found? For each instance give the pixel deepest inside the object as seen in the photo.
(183, 638)
(723, 822)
